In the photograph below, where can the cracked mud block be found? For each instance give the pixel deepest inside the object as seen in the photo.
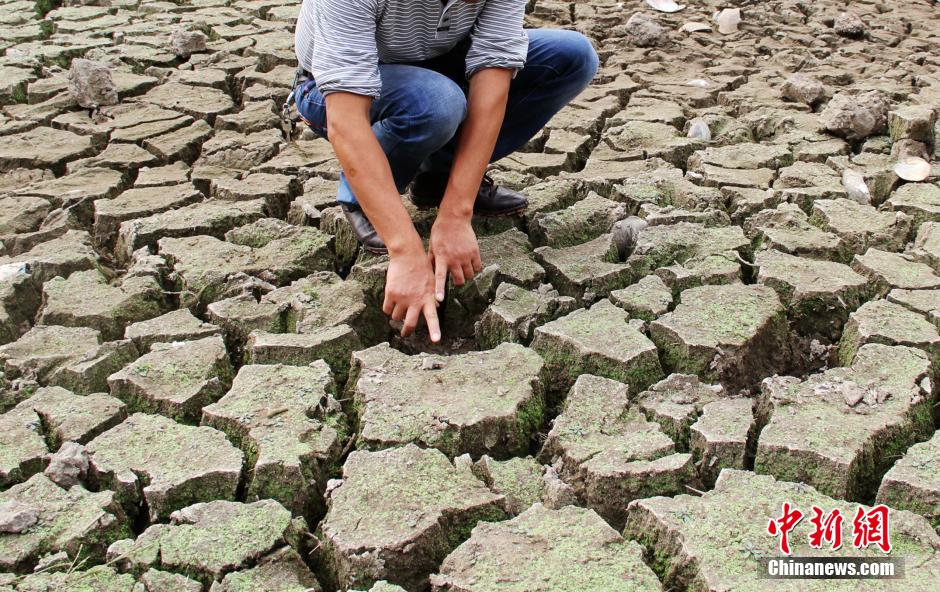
(178, 325)
(240, 315)
(301, 159)
(77, 190)
(322, 300)
(231, 152)
(713, 176)
(333, 222)
(804, 183)
(60, 256)
(663, 186)
(591, 267)
(199, 102)
(888, 323)
(518, 479)
(282, 571)
(43, 147)
(138, 203)
(637, 140)
(876, 169)
(715, 542)
(926, 247)
(43, 350)
(181, 144)
(154, 580)
(542, 550)
(507, 258)
(818, 295)
(175, 379)
(67, 417)
(22, 445)
(720, 437)
(742, 156)
(516, 312)
(396, 514)
(87, 299)
(333, 344)
(157, 466)
(861, 226)
(212, 218)
(921, 201)
(210, 540)
(479, 403)
(662, 215)
(609, 452)
(206, 265)
(100, 578)
(675, 403)
(743, 202)
(733, 334)
(787, 229)
(888, 271)
(275, 191)
(22, 214)
(695, 247)
(599, 341)
(648, 299)
(76, 521)
(383, 586)
(925, 302)
(19, 301)
(913, 483)
(290, 427)
(583, 221)
(840, 430)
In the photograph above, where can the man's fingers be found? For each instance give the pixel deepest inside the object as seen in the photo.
(456, 274)
(388, 306)
(411, 320)
(434, 326)
(399, 313)
(440, 280)
(477, 263)
(468, 272)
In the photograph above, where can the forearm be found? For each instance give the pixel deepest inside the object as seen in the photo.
(368, 172)
(486, 108)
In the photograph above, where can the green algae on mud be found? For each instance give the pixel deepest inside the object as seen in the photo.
(396, 514)
(489, 402)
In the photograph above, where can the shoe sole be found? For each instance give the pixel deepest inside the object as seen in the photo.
(374, 250)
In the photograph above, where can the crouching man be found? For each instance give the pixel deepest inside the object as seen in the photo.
(428, 93)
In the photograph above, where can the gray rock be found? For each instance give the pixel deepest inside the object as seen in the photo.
(16, 517)
(68, 466)
(856, 116)
(91, 84)
(848, 24)
(803, 89)
(642, 30)
(185, 43)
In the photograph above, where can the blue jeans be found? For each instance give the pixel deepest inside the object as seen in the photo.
(422, 105)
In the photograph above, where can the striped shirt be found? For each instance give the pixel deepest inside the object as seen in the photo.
(342, 42)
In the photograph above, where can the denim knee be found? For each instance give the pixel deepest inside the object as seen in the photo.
(582, 59)
(434, 113)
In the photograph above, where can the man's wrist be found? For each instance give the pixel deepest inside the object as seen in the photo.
(408, 243)
(458, 212)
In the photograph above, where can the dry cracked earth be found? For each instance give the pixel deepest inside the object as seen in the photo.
(198, 392)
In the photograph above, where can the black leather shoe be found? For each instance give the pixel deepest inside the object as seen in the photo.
(427, 191)
(363, 230)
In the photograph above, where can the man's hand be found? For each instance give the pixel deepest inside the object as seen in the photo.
(409, 293)
(453, 248)
(409, 284)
